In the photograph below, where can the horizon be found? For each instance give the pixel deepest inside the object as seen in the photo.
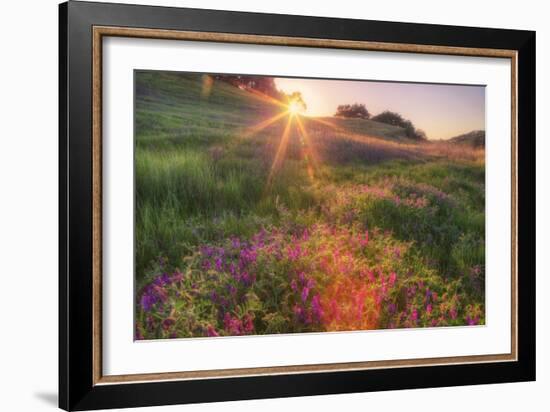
(442, 111)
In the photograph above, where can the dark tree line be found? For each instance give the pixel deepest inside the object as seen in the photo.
(263, 84)
(359, 111)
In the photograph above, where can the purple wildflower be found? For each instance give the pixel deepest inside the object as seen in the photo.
(316, 308)
(414, 315)
(211, 332)
(168, 323)
(305, 293)
(147, 301)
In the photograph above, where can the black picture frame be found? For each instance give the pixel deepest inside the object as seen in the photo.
(77, 390)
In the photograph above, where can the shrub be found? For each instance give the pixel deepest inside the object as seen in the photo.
(395, 119)
(356, 110)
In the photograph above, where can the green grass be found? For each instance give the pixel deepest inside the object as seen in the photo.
(201, 178)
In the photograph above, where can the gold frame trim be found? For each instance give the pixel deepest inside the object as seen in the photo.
(101, 31)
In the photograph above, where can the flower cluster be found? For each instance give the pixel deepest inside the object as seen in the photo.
(321, 278)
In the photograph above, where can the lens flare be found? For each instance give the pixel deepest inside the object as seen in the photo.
(294, 107)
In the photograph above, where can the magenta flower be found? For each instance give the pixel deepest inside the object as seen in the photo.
(305, 293)
(472, 321)
(414, 315)
(392, 279)
(211, 332)
(365, 239)
(453, 312)
(316, 308)
(248, 324)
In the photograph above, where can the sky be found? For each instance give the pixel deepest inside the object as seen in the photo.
(442, 111)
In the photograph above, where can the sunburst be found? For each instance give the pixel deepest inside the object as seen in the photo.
(292, 111)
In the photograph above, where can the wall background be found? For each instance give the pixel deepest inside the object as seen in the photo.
(28, 203)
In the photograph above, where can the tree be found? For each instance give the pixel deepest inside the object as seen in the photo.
(356, 110)
(395, 119)
(296, 98)
(263, 84)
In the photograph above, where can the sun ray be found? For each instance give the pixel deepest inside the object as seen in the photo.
(310, 153)
(262, 125)
(360, 137)
(281, 150)
(326, 123)
(311, 148)
(266, 98)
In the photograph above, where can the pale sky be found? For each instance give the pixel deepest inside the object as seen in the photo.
(442, 111)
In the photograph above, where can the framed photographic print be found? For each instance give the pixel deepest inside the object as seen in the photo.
(257, 205)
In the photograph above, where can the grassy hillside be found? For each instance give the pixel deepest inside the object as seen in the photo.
(269, 223)
(475, 138)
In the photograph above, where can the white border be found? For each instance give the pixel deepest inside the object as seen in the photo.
(121, 355)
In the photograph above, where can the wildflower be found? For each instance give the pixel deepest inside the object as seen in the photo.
(232, 325)
(161, 293)
(232, 290)
(207, 251)
(305, 293)
(392, 279)
(245, 278)
(298, 311)
(472, 321)
(176, 277)
(248, 324)
(236, 243)
(370, 275)
(316, 308)
(161, 280)
(147, 301)
(429, 308)
(365, 239)
(294, 252)
(414, 315)
(168, 323)
(211, 332)
(453, 312)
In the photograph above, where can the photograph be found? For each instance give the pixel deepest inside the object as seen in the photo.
(277, 205)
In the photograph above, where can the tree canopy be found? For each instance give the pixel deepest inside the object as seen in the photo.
(356, 110)
(395, 119)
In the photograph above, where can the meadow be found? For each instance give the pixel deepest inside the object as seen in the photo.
(250, 219)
